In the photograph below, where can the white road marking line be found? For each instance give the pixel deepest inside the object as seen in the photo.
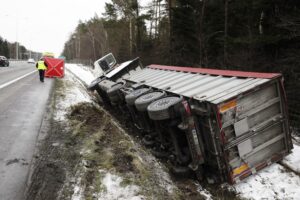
(15, 80)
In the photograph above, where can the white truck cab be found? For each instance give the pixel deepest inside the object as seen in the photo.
(108, 68)
(104, 65)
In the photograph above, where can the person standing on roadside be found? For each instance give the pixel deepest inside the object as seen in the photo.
(41, 65)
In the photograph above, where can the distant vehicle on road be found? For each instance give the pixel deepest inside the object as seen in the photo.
(30, 60)
(3, 61)
(62, 57)
(48, 54)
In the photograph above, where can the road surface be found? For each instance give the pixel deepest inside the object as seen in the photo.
(23, 100)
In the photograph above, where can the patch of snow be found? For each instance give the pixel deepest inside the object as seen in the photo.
(273, 182)
(165, 181)
(114, 191)
(72, 96)
(83, 72)
(293, 160)
(56, 144)
(206, 194)
(78, 193)
(163, 178)
(78, 190)
(140, 159)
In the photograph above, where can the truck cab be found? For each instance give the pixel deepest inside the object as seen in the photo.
(108, 68)
(105, 64)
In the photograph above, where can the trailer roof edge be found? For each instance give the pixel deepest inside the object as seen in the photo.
(218, 72)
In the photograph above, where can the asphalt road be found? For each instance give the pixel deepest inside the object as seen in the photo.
(23, 100)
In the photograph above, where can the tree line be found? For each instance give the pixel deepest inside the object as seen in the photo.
(4, 49)
(9, 50)
(250, 35)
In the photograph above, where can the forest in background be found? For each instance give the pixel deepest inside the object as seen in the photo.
(248, 35)
(8, 50)
(4, 49)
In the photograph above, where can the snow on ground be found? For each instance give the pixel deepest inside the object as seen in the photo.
(293, 160)
(114, 191)
(206, 194)
(164, 179)
(83, 72)
(72, 96)
(274, 182)
(78, 190)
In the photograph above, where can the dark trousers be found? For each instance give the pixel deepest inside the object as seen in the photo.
(42, 75)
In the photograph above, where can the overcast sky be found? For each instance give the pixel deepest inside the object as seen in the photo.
(45, 25)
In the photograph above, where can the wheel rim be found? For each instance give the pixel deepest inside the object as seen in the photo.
(164, 103)
(160, 109)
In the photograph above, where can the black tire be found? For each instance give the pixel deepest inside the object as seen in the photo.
(160, 109)
(94, 84)
(181, 171)
(148, 141)
(131, 97)
(199, 173)
(113, 92)
(143, 101)
(114, 99)
(115, 88)
(159, 153)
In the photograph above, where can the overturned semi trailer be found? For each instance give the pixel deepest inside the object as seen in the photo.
(218, 123)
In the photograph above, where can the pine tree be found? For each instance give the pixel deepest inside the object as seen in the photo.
(184, 32)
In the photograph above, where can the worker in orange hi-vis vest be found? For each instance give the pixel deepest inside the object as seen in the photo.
(41, 65)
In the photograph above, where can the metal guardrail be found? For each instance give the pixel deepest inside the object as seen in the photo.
(15, 60)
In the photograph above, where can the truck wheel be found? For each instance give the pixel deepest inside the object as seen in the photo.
(148, 141)
(160, 109)
(131, 97)
(160, 153)
(113, 92)
(200, 173)
(94, 84)
(181, 171)
(143, 101)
